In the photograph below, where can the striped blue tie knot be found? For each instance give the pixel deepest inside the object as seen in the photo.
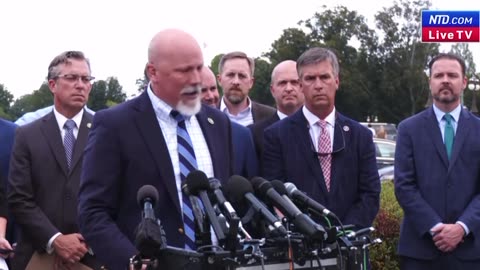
(69, 141)
(187, 163)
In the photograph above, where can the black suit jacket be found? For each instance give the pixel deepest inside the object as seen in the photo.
(261, 112)
(257, 130)
(126, 150)
(354, 186)
(42, 191)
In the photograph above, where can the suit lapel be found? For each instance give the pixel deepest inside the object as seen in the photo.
(433, 131)
(53, 137)
(301, 134)
(208, 128)
(147, 123)
(82, 137)
(340, 140)
(463, 128)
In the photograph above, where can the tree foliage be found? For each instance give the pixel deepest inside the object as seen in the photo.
(31, 102)
(105, 94)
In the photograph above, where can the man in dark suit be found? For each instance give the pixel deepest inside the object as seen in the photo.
(437, 176)
(285, 89)
(341, 175)
(7, 133)
(245, 160)
(235, 76)
(45, 168)
(135, 144)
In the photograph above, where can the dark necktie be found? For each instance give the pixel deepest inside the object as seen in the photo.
(69, 141)
(188, 163)
(449, 134)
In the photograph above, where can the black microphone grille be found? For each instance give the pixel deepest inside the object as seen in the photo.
(197, 181)
(147, 192)
(237, 187)
(261, 186)
(279, 187)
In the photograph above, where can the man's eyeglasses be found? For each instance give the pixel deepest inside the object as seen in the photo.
(74, 77)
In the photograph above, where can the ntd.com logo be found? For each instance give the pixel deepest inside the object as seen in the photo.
(450, 26)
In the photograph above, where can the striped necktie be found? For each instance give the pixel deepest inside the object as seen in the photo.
(188, 163)
(69, 141)
(449, 134)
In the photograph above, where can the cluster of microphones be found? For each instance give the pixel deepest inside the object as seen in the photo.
(246, 217)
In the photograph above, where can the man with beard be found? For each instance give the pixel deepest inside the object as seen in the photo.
(246, 163)
(235, 75)
(437, 176)
(285, 89)
(152, 140)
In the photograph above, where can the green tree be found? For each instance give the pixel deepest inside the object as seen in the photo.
(291, 44)
(463, 50)
(104, 94)
(31, 102)
(260, 91)
(6, 99)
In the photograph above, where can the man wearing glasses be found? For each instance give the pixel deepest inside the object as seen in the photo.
(45, 170)
(323, 152)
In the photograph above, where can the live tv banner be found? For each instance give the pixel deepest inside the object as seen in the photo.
(450, 26)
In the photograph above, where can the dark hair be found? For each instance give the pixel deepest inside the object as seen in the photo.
(450, 56)
(316, 55)
(64, 58)
(233, 55)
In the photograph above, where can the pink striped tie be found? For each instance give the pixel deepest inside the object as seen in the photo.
(325, 152)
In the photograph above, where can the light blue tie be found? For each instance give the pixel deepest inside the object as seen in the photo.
(188, 163)
(69, 141)
(449, 134)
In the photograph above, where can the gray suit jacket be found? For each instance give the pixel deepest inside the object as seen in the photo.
(261, 112)
(42, 192)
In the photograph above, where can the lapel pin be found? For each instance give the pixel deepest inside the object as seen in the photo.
(210, 120)
(89, 125)
(346, 128)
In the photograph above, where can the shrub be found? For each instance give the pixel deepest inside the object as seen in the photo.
(387, 225)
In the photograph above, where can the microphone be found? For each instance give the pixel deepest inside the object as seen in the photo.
(198, 185)
(147, 197)
(306, 202)
(302, 222)
(149, 235)
(215, 187)
(239, 190)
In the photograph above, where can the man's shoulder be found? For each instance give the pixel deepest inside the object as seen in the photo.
(263, 108)
(262, 125)
(7, 125)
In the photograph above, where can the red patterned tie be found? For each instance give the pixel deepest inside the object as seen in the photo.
(325, 152)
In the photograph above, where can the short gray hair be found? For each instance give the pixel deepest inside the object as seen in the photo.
(316, 55)
(233, 55)
(64, 58)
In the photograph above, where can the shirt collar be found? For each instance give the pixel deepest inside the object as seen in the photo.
(281, 115)
(224, 108)
(61, 119)
(313, 119)
(455, 113)
(161, 108)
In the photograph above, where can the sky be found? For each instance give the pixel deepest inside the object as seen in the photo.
(114, 35)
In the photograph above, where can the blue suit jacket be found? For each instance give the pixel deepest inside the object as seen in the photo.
(7, 134)
(289, 155)
(125, 151)
(246, 163)
(432, 189)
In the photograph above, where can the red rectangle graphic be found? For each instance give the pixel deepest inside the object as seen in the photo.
(450, 34)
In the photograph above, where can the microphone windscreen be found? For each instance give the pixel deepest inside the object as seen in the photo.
(147, 191)
(261, 186)
(237, 187)
(279, 187)
(196, 182)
